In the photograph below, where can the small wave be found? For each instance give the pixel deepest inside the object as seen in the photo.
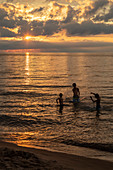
(16, 77)
(13, 121)
(36, 86)
(107, 97)
(28, 94)
(98, 146)
(24, 121)
(11, 106)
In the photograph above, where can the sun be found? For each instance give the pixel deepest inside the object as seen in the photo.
(28, 37)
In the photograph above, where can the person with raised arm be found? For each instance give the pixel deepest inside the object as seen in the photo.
(97, 101)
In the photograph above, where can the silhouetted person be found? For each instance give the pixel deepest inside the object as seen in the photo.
(97, 101)
(76, 93)
(59, 100)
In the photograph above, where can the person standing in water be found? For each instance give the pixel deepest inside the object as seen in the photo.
(97, 101)
(60, 101)
(76, 93)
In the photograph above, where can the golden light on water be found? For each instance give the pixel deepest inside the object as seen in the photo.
(27, 68)
(27, 63)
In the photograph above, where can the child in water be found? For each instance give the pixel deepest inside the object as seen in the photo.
(60, 99)
(97, 101)
(76, 93)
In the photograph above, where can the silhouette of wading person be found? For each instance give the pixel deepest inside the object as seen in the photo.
(76, 93)
(97, 101)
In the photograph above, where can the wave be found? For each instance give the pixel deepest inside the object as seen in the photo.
(36, 86)
(98, 146)
(28, 94)
(24, 121)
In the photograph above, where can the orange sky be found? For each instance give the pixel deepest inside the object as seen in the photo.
(60, 21)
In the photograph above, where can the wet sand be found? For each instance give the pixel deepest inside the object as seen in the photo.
(14, 157)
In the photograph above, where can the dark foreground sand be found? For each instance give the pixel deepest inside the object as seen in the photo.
(13, 157)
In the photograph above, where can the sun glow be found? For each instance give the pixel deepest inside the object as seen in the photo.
(28, 37)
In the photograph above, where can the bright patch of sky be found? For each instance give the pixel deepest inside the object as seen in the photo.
(60, 20)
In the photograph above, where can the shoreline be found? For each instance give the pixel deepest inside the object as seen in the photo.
(17, 157)
(77, 151)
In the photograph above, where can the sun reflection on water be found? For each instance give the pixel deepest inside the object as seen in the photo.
(27, 72)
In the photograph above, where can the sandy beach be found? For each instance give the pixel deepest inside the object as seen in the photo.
(14, 157)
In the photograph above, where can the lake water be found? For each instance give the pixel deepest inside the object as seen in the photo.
(29, 86)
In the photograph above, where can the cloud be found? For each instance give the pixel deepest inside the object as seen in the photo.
(73, 2)
(12, 17)
(3, 13)
(105, 17)
(56, 10)
(22, 20)
(37, 10)
(70, 14)
(9, 0)
(57, 47)
(8, 6)
(87, 28)
(24, 27)
(37, 28)
(94, 7)
(6, 33)
(51, 27)
(7, 23)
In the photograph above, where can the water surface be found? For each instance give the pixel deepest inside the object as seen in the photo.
(29, 86)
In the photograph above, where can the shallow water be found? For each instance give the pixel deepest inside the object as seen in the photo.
(29, 86)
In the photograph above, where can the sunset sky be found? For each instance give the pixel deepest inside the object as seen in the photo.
(57, 26)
